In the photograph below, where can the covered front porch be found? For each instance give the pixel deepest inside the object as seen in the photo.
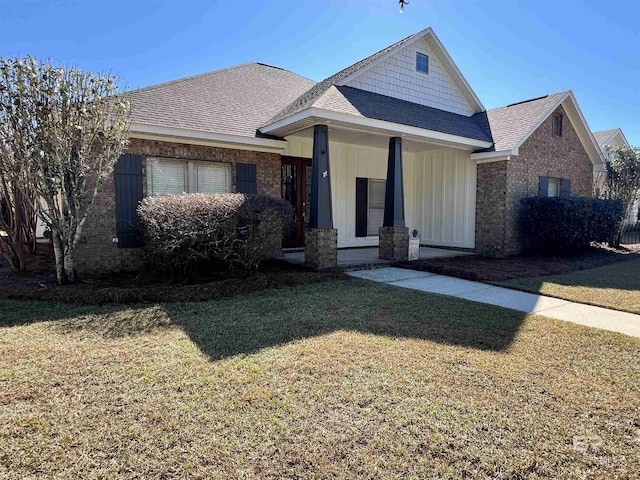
(367, 257)
(374, 186)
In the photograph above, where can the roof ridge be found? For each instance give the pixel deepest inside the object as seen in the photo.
(190, 77)
(542, 97)
(204, 74)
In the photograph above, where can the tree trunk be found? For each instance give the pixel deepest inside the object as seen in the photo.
(70, 264)
(58, 250)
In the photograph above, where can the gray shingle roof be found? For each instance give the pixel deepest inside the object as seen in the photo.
(235, 101)
(604, 135)
(308, 98)
(358, 102)
(511, 124)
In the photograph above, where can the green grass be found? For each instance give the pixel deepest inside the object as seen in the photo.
(345, 379)
(614, 286)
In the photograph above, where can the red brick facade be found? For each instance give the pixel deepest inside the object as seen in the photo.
(97, 252)
(501, 185)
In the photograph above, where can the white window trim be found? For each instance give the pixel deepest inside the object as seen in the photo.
(191, 165)
(418, 52)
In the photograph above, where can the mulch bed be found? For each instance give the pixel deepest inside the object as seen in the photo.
(39, 283)
(496, 269)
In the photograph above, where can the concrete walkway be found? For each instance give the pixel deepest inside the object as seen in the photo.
(597, 317)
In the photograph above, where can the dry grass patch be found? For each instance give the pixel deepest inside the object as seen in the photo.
(333, 380)
(614, 286)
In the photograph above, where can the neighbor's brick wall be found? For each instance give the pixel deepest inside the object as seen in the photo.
(97, 253)
(491, 202)
(501, 185)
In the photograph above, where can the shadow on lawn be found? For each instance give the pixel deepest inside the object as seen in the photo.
(249, 323)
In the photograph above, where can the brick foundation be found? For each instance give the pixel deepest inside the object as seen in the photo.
(97, 253)
(393, 243)
(501, 185)
(321, 248)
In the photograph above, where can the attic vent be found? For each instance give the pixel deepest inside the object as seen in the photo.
(527, 101)
(422, 62)
(557, 124)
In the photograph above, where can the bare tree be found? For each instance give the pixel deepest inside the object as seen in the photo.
(17, 147)
(79, 127)
(622, 178)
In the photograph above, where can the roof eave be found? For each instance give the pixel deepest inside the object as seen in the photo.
(199, 137)
(487, 157)
(393, 128)
(588, 140)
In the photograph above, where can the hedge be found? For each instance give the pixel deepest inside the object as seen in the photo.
(234, 229)
(548, 224)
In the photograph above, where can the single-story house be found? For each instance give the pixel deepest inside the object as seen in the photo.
(395, 143)
(614, 138)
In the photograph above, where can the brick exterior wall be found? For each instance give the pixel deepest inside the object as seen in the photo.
(491, 208)
(501, 185)
(97, 253)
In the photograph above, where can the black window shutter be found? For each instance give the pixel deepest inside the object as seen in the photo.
(362, 206)
(566, 187)
(128, 186)
(543, 186)
(246, 178)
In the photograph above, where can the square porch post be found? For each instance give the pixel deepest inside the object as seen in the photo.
(321, 239)
(394, 235)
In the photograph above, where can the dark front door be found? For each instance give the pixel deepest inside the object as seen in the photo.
(296, 189)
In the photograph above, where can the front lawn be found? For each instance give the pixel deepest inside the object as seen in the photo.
(490, 269)
(614, 286)
(341, 379)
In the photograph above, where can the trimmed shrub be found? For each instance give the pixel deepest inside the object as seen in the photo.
(234, 229)
(559, 224)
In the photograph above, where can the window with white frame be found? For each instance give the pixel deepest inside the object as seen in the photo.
(555, 187)
(422, 62)
(168, 176)
(376, 206)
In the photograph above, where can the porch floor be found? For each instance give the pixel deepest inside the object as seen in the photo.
(367, 257)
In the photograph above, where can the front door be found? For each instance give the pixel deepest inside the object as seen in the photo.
(296, 189)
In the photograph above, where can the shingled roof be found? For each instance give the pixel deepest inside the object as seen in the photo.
(511, 125)
(235, 101)
(361, 103)
(603, 136)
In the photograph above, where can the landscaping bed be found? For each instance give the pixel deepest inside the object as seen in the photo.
(130, 287)
(485, 269)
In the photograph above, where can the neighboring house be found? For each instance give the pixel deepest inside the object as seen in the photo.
(614, 138)
(398, 140)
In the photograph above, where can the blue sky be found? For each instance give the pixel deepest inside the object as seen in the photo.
(509, 50)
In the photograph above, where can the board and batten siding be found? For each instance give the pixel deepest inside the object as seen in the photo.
(445, 198)
(439, 189)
